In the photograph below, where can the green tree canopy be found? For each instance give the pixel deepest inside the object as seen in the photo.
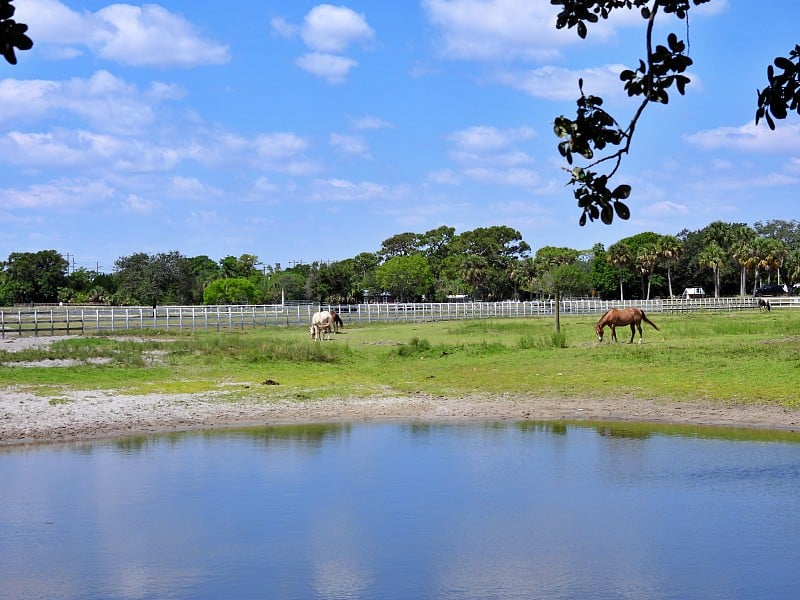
(163, 278)
(35, 276)
(407, 278)
(230, 290)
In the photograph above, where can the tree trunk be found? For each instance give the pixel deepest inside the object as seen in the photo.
(743, 281)
(669, 281)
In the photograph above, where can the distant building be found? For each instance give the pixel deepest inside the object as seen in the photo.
(694, 292)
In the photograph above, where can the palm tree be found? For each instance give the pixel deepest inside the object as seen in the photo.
(523, 274)
(669, 249)
(646, 259)
(474, 271)
(620, 256)
(778, 251)
(793, 266)
(768, 255)
(742, 252)
(713, 256)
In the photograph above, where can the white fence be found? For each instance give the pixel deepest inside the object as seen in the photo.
(76, 320)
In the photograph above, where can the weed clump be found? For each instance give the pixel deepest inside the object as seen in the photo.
(415, 347)
(555, 339)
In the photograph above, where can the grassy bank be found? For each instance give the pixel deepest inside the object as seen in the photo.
(745, 356)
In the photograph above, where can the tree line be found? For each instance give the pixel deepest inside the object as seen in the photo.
(488, 263)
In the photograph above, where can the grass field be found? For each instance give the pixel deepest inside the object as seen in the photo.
(743, 356)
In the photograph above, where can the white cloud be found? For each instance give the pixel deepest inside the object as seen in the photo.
(490, 155)
(265, 186)
(67, 149)
(281, 152)
(734, 184)
(497, 29)
(330, 29)
(556, 83)
(59, 194)
(490, 146)
(370, 123)
(483, 139)
(193, 187)
(349, 144)
(104, 101)
(330, 67)
(444, 177)
(509, 30)
(348, 191)
(511, 177)
(283, 28)
(136, 204)
(279, 145)
(665, 209)
(55, 23)
(327, 31)
(749, 138)
(146, 35)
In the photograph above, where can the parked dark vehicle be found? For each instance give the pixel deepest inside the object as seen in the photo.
(772, 289)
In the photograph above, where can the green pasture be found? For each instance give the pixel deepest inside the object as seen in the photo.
(742, 356)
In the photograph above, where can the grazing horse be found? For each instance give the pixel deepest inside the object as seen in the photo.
(623, 316)
(337, 321)
(764, 304)
(321, 325)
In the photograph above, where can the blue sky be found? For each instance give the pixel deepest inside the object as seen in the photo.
(302, 131)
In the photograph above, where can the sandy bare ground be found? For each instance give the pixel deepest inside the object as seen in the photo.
(27, 418)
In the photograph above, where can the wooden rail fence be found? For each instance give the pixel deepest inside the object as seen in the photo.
(79, 320)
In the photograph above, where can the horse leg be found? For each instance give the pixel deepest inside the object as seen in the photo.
(639, 327)
(633, 331)
(613, 332)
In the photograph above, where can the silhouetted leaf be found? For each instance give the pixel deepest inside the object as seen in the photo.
(784, 63)
(778, 108)
(770, 122)
(607, 214)
(623, 212)
(621, 191)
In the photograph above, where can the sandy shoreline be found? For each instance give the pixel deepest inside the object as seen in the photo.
(28, 418)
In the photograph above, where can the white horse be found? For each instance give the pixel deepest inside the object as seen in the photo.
(321, 325)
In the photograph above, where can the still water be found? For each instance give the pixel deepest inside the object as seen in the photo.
(383, 511)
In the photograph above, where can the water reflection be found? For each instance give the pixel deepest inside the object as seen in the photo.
(305, 437)
(494, 510)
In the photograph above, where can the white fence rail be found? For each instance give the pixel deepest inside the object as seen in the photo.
(77, 320)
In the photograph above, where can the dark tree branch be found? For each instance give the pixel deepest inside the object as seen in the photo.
(594, 129)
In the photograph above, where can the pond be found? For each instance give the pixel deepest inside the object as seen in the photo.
(405, 510)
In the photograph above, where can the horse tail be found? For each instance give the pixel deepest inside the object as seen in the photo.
(337, 319)
(646, 320)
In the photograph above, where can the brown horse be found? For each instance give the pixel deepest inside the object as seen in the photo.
(623, 316)
(337, 321)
